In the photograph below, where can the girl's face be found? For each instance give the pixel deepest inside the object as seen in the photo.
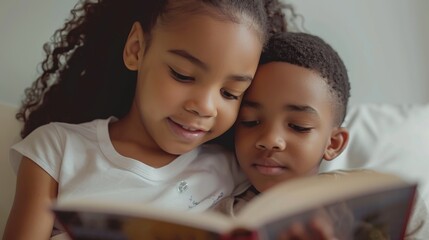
(190, 80)
(285, 126)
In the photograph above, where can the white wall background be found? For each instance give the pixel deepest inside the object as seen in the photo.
(24, 27)
(384, 43)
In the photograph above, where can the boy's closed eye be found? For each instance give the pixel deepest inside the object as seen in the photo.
(294, 127)
(249, 124)
(299, 128)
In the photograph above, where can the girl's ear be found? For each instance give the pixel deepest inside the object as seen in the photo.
(134, 47)
(338, 142)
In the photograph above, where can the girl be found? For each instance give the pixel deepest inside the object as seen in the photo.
(133, 86)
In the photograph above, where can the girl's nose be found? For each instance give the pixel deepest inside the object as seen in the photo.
(203, 105)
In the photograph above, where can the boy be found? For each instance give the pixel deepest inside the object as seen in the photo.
(291, 117)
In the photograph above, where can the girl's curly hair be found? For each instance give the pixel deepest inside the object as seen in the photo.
(83, 75)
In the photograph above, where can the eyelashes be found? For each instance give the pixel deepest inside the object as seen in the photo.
(180, 77)
(299, 128)
(228, 95)
(249, 123)
(294, 127)
(188, 79)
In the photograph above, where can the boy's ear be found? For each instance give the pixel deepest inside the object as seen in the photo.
(134, 47)
(338, 142)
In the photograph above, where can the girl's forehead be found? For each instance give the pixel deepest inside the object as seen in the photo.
(223, 47)
(178, 13)
(206, 31)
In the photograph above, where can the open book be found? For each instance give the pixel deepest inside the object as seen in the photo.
(357, 205)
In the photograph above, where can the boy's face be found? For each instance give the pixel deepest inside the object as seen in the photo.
(286, 125)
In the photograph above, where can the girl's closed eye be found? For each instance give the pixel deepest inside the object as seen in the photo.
(180, 77)
(226, 94)
(300, 129)
(186, 79)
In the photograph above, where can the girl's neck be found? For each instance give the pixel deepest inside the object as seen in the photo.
(130, 140)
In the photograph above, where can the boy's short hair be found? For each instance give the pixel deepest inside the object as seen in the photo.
(311, 52)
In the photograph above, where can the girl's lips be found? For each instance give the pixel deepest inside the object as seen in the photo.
(186, 133)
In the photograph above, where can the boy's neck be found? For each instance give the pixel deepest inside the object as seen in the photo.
(254, 190)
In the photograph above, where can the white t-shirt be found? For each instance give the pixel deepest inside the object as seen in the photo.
(82, 159)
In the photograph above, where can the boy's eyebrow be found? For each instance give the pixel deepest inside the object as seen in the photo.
(287, 107)
(300, 108)
(186, 55)
(252, 104)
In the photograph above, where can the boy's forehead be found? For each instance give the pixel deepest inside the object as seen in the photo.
(276, 75)
(280, 84)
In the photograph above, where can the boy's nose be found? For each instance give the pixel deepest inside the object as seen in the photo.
(271, 140)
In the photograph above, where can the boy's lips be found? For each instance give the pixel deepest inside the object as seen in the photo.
(186, 132)
(268, 166)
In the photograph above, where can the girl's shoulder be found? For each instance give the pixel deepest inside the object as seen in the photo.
(61, 129)
(59, 134)
(91, 125)
(48, 144)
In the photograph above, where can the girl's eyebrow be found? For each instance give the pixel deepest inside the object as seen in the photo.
(186, 55)
(191, 58)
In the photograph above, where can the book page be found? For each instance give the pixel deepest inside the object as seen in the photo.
(98, 220)
(378, 215)
(354, 206)
(299, 195)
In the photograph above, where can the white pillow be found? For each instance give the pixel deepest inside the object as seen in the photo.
(388, 138)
